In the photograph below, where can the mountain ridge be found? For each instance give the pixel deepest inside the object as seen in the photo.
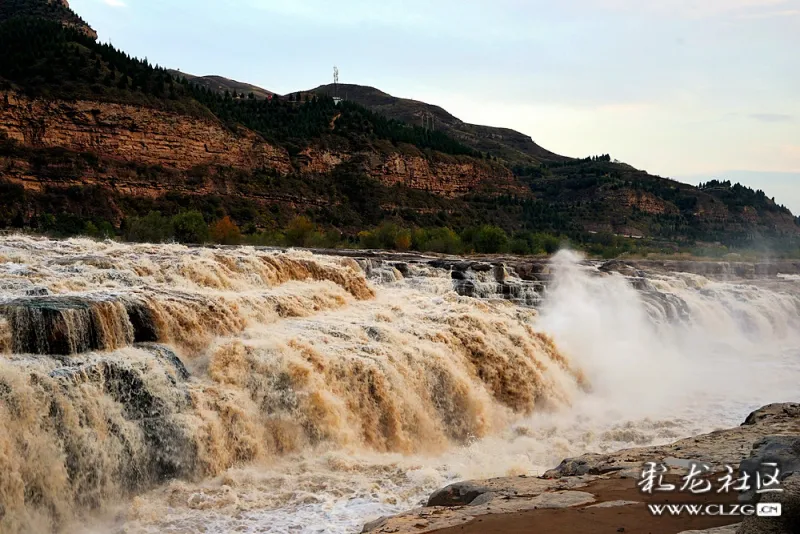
(80, 119)
(222, 84)
(507, 144)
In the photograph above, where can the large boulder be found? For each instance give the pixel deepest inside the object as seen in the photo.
(618, 266)
(774, 412)
(781, 450)
(459, 494)
(588, 464)
(789, 520)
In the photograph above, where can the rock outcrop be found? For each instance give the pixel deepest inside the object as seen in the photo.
(136, 134)
(443, 175)
(460, 494)
(788, 521)
(150, 137)
(446, 177)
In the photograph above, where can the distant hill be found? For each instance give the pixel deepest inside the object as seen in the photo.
(509, 145)
(220, 84)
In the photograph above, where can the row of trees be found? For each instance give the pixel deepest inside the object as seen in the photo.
(738, 196)
(185, 227)
(47, 59)
(192, 227)
(308, 117)
(486, 239)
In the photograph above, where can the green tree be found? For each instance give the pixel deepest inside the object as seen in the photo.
(225, 232)
(520, 246)
(152, 228)
(299, 231)
(443, 240)
(190, 227)
(91, 230)
(491, 240)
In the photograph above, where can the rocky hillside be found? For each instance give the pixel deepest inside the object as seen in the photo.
(89, 135)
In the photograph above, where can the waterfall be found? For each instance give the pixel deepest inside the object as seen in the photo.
(239, 387)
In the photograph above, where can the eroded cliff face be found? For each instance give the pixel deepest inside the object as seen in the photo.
(646, 202)
(145, 136)
(450, 177)
(136, 134)
(447, 176)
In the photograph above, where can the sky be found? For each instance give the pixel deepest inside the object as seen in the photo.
(689, 89)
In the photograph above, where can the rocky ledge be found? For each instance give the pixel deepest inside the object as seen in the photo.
(587, 484)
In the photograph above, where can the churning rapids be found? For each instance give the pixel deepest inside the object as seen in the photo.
(158, 388)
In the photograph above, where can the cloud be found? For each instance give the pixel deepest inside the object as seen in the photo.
(115, 3)
(771, 117)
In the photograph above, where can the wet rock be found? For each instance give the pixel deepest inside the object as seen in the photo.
(788, 521)
(167, 356)
(466, 288)
(373, 525)
(170, 453)
(500, 273)
(63, 325)
(403, 268)
(773, 412)
(458, 275)
(640, 283)
(481, 267)
(143, 322)
(588, 464)
(458, 494)
(37, 291)
(442, 264)
(766, 269)
(618, 266)
(781, 450)
(483, 498)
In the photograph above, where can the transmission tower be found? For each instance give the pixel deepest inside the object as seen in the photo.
(428, 121)
(336, 81)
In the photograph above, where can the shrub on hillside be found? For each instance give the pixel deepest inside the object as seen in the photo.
(443, 240)
(490, 240)
(190, 227)
(299, 231)
(225, 232)
(152, 228)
